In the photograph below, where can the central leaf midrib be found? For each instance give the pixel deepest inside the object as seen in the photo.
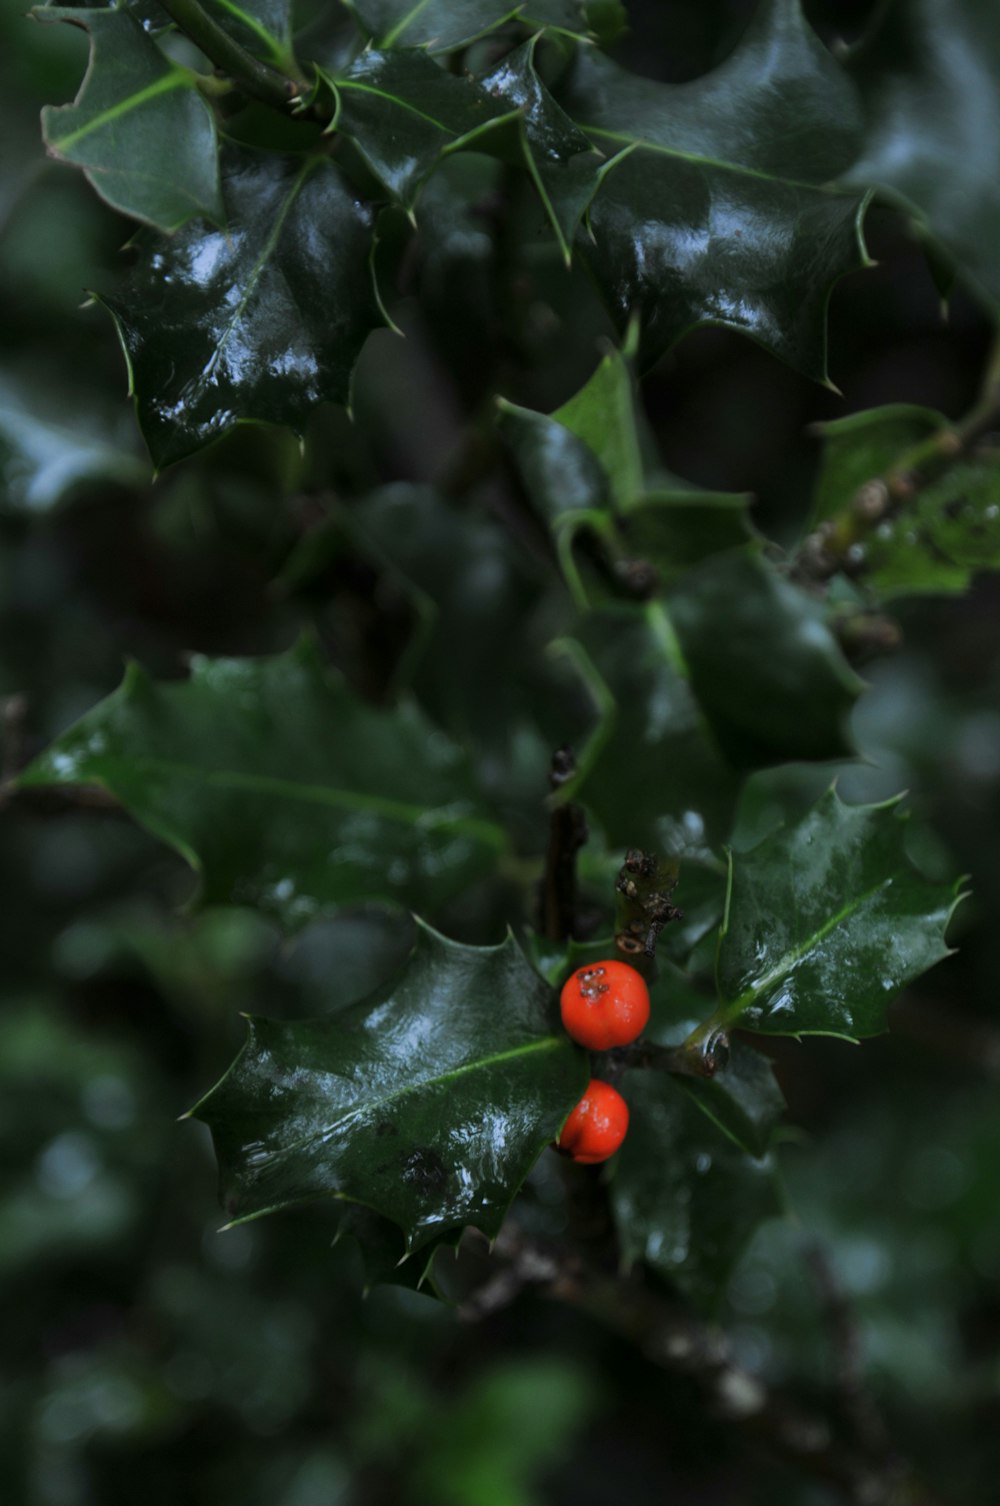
(396, 99)
(317, 794)
(175, 79)
(700, 160)
(403, 24)
(254, 274)
(794, 955)
(371, 1105)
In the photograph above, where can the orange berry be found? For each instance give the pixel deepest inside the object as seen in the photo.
(604, 1004)
(596, 1127)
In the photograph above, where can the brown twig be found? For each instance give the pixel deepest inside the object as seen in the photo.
(676, 1341)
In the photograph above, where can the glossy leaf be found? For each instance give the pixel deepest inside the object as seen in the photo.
(825, 923)
(931, 84)
(723, 213)
(564, 166)
(465, 581)
(54, 439)
(444, 26)
(263, 27)
(428, 1103)
(766, 669)
(260, 322)
(402, 111)
(138, 128)
(743, 1097)
(281, 788)
(591, 469)
(650, 775)
(685, 1199)
(931, 542)
(385, 1257)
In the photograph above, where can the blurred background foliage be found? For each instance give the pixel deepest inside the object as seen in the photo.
(143, 1355)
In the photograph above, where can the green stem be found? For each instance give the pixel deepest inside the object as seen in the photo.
(254, 77)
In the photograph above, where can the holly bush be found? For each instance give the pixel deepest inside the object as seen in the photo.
(552, 525)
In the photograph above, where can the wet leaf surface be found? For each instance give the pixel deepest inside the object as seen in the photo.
(723, 213)
(260, 322)
(825, 923)
(428, 1103)
(686, 1200)
(281, 788)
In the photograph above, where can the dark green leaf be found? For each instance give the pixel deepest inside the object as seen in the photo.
(650, 776)
(931, 85)
(607, 19)
(263, 27)
(591, 468)
(564, 166)
(281, 788)
(139, 128)
(429, 1103)
(467, 583)
(257, 323)
(825, 922)
(387, 1262)
(402, 111)
(742, 1098)
(55, 437)
(764, 666)
(723, 213)
(685, 1199)
(444, 26)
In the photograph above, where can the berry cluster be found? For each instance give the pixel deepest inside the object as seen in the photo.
(603, 1004)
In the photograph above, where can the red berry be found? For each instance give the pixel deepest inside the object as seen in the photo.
(604, 1004)
(596, 1127)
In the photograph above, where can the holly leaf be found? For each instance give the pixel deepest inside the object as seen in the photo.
(563, 164)
(443, 26)
(54, 439)
(933, 541)
(686, 1200)
(825, 922)
(723, 212)
(259, 323)
(465, 581)
(743, 1097)
(385, 1257)
(138, 128)
(428, 1103)
(930, 79)
(263, 27)
(650, 774)
(403, 111)
(591, 470)
(281, 788)
(765, 667)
